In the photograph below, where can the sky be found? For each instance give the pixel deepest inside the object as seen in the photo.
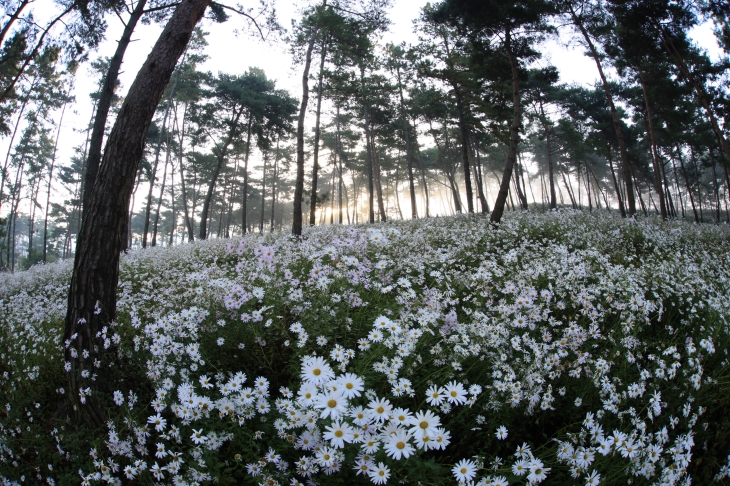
(234, 54)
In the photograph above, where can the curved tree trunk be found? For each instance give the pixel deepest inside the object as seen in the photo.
(496, 215)
(92, 293)
(105, 102)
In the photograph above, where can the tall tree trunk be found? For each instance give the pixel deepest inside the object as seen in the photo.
(50, 180)
(409, 154)
(656, 163)
(449, 173)
(315, 167)
(244, 189)
(568, 188)
(105, 102)
(620, 199)
(496, 215)
(173, 225)
(220, 152)
(679, 62)
(153, 175)
(422, 172)
(92, 292)
(184, 195)
(162, 194)
(338, 162)
(273, 183)
(23, 106)
(689, 187)
(376, 174)
(299, 184)
(625, 167)
(551, 179)
(464, 138)
(480, 179)
(371, 208)
(12, 19)
(263, 193)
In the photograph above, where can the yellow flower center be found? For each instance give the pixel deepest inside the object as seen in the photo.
(424, 425)
(400, 445)
(332, 403)
(380, 410)
(338, 433)
(316, 372)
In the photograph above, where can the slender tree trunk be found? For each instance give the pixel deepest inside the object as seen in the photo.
(162, 194)
(409, 154)
(315, 167)
(548, 141)
(23, 106)
(376, 173)
(656, 163)
(263, 193)
(615, 181)
(244, 189)
(371, 208)
(92, 293)
(679, 62)
(338, 162)
(496, 215)
(12, 19)
(184, 195)
(105, 102)
(50, 180)
(570, 191)
(220, 152)
(689, 188)
(173, 225)
(476, 168)
(625, 167)
(39, 43)
(153, 176)
(299, 184)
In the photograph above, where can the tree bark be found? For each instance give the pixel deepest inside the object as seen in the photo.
(162, 194)
(409, 154)
(105, 102)
(153, 176)
(371, 207)
(296, 228)
(496, 215)
(546, 129)
(656, 163)
(50, 180)
(625, 167)
(92, 293)
(244, 189)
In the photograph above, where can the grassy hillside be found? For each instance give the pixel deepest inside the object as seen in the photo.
(564, 348)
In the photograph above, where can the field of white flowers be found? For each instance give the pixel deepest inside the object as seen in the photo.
(562, 348)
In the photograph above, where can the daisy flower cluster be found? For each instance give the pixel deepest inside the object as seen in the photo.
(575, 347)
